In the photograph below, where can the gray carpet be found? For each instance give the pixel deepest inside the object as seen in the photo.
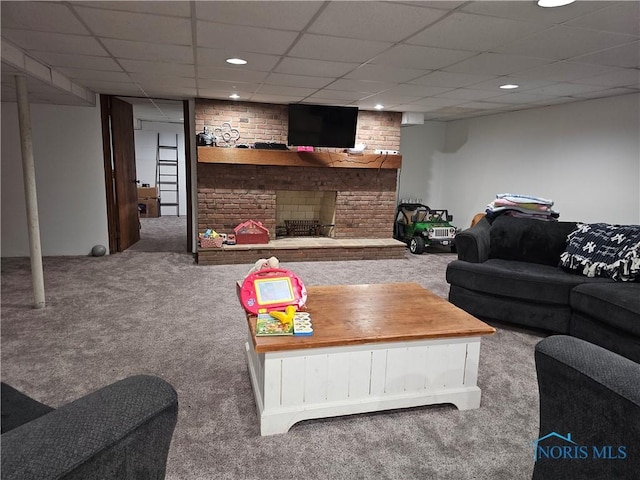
(159, 313)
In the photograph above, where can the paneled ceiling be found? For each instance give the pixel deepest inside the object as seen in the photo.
(446, 59)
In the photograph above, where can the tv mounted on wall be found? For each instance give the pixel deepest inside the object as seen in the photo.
(322, 125)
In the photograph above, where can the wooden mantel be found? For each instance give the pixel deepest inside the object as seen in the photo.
(289, 158)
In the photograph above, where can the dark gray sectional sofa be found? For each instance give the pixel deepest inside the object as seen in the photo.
(508, 271)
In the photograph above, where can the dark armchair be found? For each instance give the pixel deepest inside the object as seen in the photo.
(589, 412)
(121, 431)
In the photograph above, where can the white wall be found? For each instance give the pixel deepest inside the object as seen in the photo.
(584, 155)
(67, 148)
(146, 140)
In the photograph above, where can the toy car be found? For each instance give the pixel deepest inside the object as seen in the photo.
(419, 227)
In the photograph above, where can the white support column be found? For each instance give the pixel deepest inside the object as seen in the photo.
(29, 177)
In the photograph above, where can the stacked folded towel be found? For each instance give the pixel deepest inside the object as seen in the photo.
(526, 206)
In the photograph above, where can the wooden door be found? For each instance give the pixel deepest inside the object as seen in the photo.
(120, 172)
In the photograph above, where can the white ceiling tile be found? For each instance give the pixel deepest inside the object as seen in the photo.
(360, 85)
(469, 94)
(415, 56)
(81, 74)
(609, 92)
(417, 90)
(302, 66)
(496, 64)
(229, 87)
(385, 73)
(54, 42)
(248, 39)
(564, 89)
(78, 61)
(530, 11)
(280, 99)
(563, 71)
(438, 102)
(626, 56)
(231, 74)
(114, 88)
(337, 49)
(285, 15)
(41, 16)
(339, 95)
(137, 26)
(524, 84)
(355, 20)
(175, 8)
(297, 80)
(328, 101)
(387, 99)
(146, 79)
(158, 68)
(562, 43)
(621, 17)
(285, 90)
(463, 31)
(217, 58)
(170, 91)
(450, 79)
(485, 105)
(520, 98)
(149, 51)
(614, 78)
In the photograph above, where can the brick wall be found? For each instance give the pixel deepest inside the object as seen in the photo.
(231, 194)
(266, 122)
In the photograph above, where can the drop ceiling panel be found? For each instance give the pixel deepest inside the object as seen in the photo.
(337, 49)
(360, 86)
(249, 39)
(216, 57)
(42, 17)
(562, 43)
(385, 73)
(90, 62)
(174, 8)
(285, 15)
(149, 51)
(297, 80)
(529, 11)
(621, 17)
(285, 90)
(158, 68)
(621, 78)
(563, 72)
(626, 56)
(54, 42)
(82, 74)
(496, 64)
(231, 74)
(463, 31)
(427, 58)
(356, 19)
(417, 90)
(469, 94)
(339, 95)
(451, 79)
(303, 66)
(137, 26)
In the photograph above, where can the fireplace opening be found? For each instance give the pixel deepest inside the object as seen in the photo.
(304, 213)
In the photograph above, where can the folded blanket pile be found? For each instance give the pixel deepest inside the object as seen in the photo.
(517, 205)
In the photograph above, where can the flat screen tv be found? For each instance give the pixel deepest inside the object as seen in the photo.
(322, 126)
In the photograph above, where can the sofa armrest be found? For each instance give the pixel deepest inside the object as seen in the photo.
(473, 244)
(593, 395)
(122, 431)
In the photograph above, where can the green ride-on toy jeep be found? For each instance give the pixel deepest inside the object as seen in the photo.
(419, 227)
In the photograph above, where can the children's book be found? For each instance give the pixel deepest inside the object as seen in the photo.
(267, 326)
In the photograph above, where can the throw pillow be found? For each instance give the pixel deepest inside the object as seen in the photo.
(528, 240)
(603, 250)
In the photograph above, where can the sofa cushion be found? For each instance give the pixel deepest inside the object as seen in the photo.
(522, 280)
(529, 240)
(600, 249)
(614, 304)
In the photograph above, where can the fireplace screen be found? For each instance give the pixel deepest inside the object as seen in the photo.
(305, 213)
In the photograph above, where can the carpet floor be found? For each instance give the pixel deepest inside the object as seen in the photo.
(152, 310)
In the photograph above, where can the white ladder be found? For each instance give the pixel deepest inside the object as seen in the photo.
(167, 172)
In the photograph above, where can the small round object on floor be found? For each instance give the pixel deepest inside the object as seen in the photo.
(98, 250)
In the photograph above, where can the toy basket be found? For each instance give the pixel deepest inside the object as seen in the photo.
(206, 242)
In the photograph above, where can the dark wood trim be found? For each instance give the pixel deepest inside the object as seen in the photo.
(289, 158)
(112, 211)
(188, 139)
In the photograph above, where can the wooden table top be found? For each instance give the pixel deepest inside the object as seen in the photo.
(357, 314)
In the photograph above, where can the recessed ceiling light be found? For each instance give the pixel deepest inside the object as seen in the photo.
(509, 86)
(235, 96)
(379, 107)
(554, 3)
(236, 61)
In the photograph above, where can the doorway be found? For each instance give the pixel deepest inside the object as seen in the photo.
(160, 159)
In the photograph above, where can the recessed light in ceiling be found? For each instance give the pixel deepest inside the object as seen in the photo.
(509, 86)
(554, 3)
(236, 61)
(235, 96)
(379, 107)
